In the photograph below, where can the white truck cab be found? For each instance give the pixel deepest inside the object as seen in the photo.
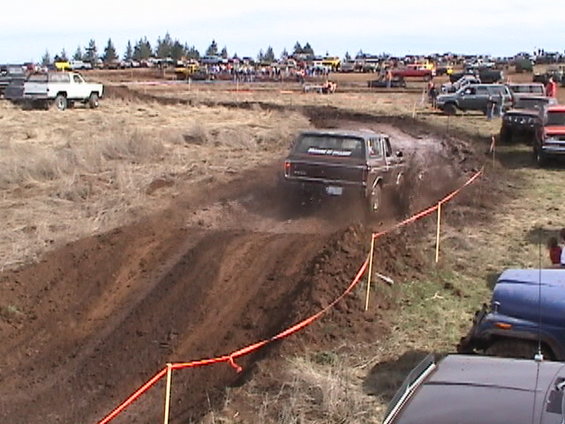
(62, 88)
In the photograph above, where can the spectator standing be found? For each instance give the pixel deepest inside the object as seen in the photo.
(551, 88)
(432, 93)
(388, 78)
(555, 251)
(562, 237)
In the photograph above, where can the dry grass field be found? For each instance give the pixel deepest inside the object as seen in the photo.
(66, 176)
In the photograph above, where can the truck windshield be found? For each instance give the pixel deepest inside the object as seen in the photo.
(330, 145)
(556, 118)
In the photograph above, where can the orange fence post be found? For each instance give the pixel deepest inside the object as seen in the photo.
(370, 273)
(493, 150)
(168, 393)
(438, 230)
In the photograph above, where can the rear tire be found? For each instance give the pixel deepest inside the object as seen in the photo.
(93, 101)
(540, 157)
(61, 102)
(449, 109)
(505, 136)
(374, 201)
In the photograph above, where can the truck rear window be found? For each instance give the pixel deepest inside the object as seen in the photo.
(555, 118)
(329, 145)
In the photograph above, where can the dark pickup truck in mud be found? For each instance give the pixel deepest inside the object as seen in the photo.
(343, 163)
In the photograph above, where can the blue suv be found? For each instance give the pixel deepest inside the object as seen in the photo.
(527, 311)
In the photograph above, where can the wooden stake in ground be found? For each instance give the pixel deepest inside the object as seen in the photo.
(168, 394)
(370, 273)
(493, 150)
(438, 230)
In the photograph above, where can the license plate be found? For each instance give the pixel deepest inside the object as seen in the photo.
(334, 190)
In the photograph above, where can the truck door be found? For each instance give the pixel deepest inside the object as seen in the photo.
(79, 90)
(394, 161)
(468, 98)
(375, 160)
(482, 98)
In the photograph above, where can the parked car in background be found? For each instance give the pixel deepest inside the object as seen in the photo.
(465, 80)
(61, 88)
(417, 70)
(486, 75)
(79, 65)
(358, 165)
(475, 97)
(396, 82)
(9, 74)
(470, 389)
(533, 89)
(549, 141)
(525, 118)
(347, 66)
(527, 309)
(557, 72)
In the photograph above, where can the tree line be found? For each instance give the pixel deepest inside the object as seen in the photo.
(164, 47)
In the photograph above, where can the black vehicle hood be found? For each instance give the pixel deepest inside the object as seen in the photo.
(523, 112)
(471, 389)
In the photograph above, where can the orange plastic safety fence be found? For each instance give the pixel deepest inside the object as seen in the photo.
(230, 359)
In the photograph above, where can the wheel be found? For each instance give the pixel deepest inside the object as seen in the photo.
(93, 101)
(539, 157)
(449, 109)
(374, 200)
(515, 348)
(505, 135)
(61, 102)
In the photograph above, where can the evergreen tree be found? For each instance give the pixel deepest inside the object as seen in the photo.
(260, 56)
(307, 49)
(110, 52)
(284, 54)
(63, 56)
(269, 55)
(128, 55)
(164, 47)
(46, 59)
(78, 54)
(177, 51)
(192, 52)
(142, 50)
(91, 52)
(297, 48)
(224, 52)
(212, 50)
(347, 56)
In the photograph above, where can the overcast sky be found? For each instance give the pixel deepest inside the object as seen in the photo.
(498, 27)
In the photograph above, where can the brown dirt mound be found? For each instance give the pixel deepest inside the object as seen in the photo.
(220, 269)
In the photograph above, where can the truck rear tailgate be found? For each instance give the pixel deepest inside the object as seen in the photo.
(329, 172)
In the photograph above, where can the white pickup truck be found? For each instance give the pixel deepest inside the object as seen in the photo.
(61, 88)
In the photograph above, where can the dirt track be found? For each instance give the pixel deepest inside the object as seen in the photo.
(219, 269)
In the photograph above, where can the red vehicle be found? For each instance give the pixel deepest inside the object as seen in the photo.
(550, 139)
(416, 70)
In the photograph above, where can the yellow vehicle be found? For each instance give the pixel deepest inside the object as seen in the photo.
(332, 62)
(63, 66)
(183, 72)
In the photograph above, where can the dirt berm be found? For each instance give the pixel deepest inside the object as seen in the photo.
(221, 268)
